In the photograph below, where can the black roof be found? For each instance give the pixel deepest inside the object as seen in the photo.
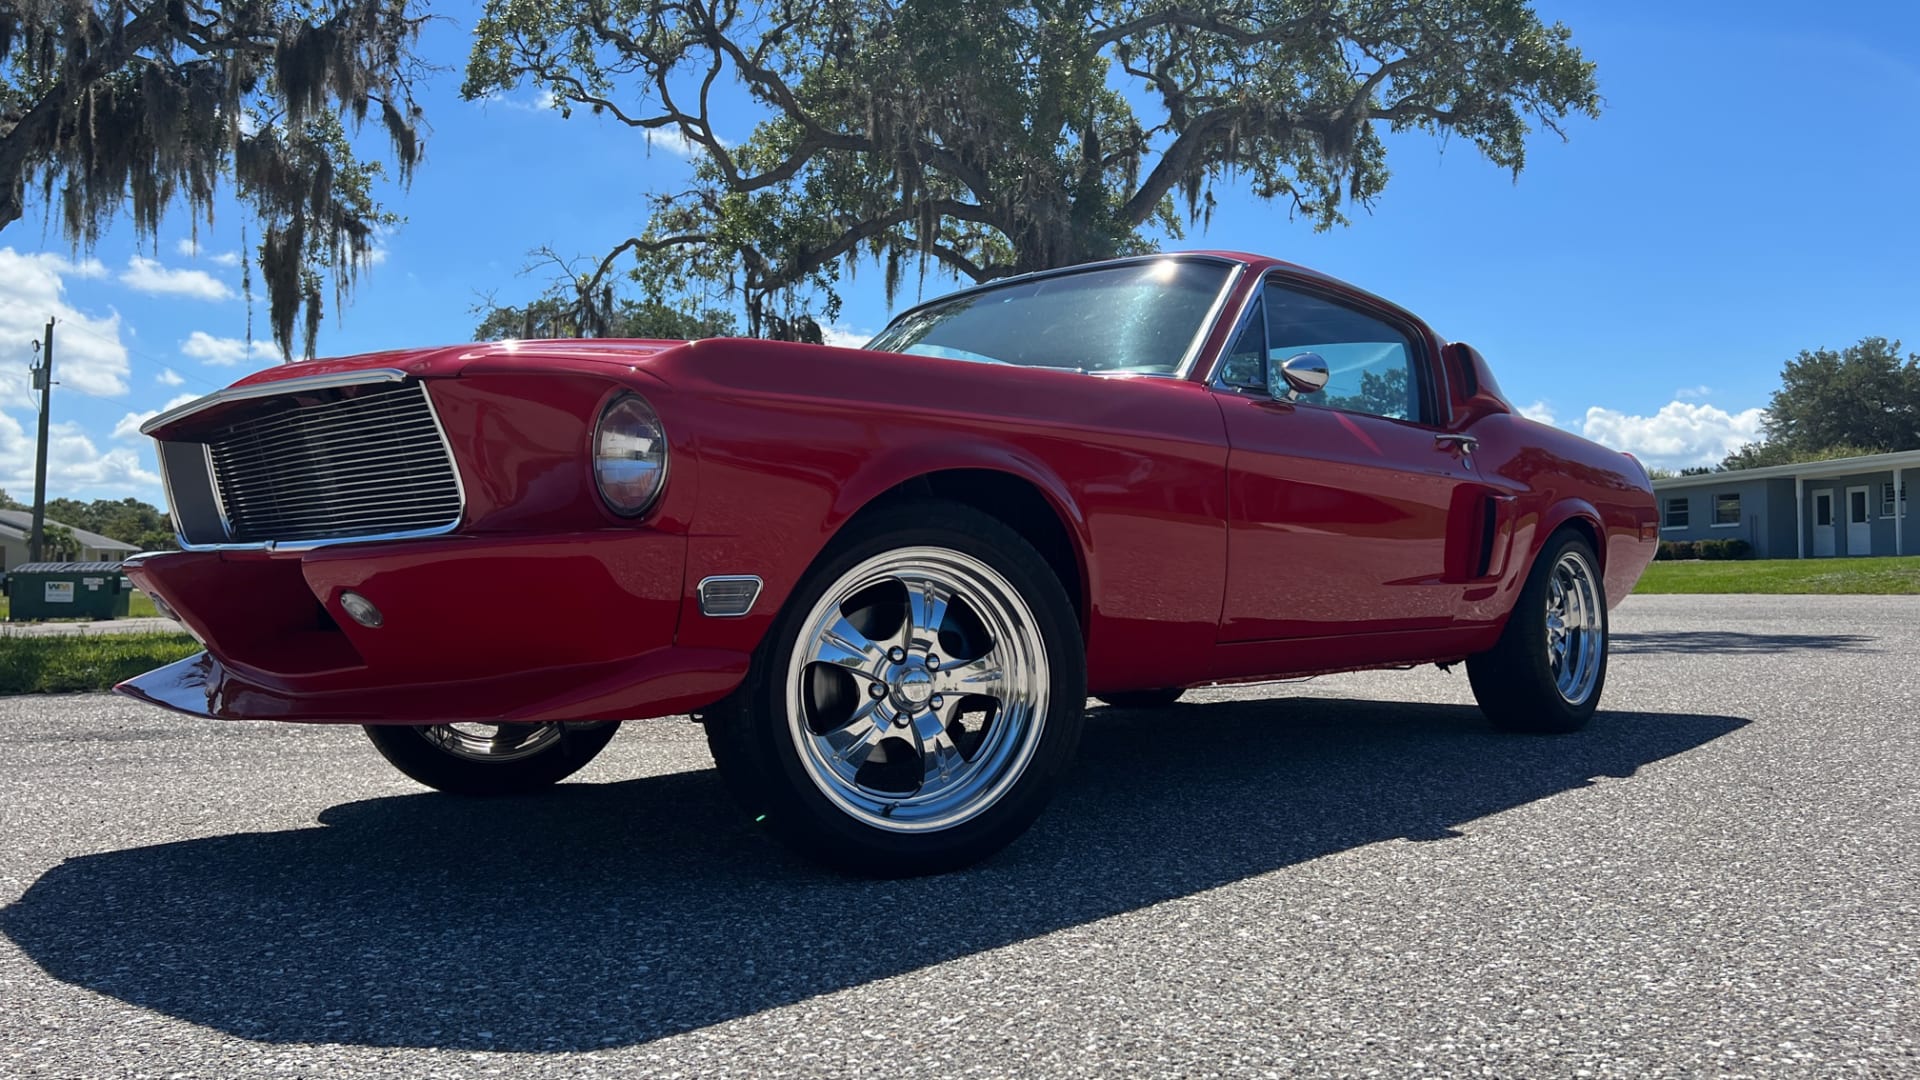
(66, 568)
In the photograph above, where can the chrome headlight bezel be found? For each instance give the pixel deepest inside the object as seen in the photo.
(631, 418)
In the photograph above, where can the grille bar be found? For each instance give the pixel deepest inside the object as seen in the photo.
(371, 464)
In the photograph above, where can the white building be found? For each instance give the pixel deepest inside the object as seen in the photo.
(1818, 509)
(16, 529)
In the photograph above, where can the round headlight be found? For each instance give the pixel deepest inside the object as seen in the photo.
(629, 455)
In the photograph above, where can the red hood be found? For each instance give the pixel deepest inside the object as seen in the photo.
(447, 360)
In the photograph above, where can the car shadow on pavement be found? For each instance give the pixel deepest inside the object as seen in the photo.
(1730, 641)
(612, 914)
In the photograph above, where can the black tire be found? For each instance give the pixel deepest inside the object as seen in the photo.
(567, 749)
(1143, 699)
(1515, 681)
(758, 746)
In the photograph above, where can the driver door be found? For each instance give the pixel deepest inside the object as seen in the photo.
(1342, 503)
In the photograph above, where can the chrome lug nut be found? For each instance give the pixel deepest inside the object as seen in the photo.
(933, 662)
(934, 702)
(896, 654)
(876, 690)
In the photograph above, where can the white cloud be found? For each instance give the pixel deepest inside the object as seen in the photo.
(168, 377)
(1539, 410)
(1693, 393)
(1681, 434)
(88, 354)
(129, 425)
(224, 351)
(75, 467)
(149, 276)
(845, 336)
(543, 101)
(673, 141)
(187, 247)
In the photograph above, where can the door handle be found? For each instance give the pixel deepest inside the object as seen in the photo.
(1466, 444)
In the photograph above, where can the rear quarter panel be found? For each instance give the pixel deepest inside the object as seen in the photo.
(1557, 479)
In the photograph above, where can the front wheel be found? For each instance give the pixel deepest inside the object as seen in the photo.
(917, 700)
(1546, 671)
(490, 759)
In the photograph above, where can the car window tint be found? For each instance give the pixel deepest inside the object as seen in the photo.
(1370, 362)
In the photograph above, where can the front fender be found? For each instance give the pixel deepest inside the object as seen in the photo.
(902, 466)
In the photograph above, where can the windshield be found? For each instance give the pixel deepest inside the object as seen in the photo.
(1140, 317)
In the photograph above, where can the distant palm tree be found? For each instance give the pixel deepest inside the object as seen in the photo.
(60, 544)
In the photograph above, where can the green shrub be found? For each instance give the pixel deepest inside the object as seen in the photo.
(1724, 550)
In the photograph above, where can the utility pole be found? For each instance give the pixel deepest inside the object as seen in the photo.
(43, 382)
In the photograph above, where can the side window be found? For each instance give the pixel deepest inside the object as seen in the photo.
(1245, 365)
(1370, 362)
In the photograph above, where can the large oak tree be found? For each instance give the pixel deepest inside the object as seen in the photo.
(142, 106)
(1863, 399)
(992, 137)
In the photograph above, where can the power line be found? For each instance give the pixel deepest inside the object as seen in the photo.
(84, 331)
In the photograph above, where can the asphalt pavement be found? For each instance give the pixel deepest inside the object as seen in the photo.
(1347, 876)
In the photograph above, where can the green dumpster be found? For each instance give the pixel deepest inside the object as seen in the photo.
(67, 590)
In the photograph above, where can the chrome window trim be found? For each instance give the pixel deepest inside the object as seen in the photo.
(433, 410)
(1237, 269)
(334, 381)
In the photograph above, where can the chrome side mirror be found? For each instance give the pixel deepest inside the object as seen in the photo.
(1301, 373)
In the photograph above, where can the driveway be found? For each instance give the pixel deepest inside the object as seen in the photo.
(1343, 876)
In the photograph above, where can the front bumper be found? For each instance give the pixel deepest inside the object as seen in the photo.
(575, 626)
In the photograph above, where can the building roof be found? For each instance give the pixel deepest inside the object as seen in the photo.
(18, 524)
(1865, 463)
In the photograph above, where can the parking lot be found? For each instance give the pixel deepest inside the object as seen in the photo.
(1351, 875)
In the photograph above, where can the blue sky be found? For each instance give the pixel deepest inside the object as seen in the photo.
(1748, 192)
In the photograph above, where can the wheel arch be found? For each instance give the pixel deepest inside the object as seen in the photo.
(1580, 516)
(1037, 508)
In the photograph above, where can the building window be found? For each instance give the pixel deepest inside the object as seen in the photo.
(1676, 515)
(1887, 501)
(1726, 511)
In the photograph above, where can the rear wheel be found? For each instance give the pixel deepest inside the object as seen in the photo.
(490, 759)
(917, 700)
(1143, 699)
(1547, 670)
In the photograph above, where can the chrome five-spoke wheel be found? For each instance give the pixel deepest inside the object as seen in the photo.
(490, 758)
(1575, 634)
(920, 690)
(920, 694)
(1547, 669)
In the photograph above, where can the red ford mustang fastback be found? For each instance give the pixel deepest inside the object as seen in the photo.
(886, 579)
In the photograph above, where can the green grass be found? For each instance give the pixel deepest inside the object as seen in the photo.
(1891, 576)
(138, 607)
(62, 663)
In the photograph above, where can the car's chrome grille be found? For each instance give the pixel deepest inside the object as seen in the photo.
(371, 464)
